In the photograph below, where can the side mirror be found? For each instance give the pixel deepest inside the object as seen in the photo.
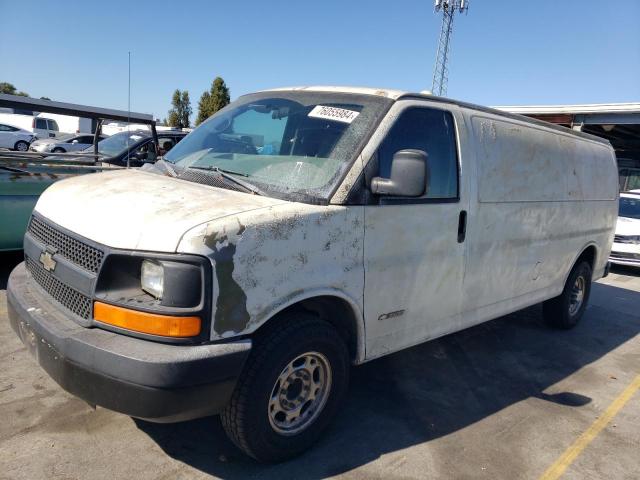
(408, 175)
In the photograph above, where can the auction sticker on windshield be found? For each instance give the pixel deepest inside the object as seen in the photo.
(333, 113)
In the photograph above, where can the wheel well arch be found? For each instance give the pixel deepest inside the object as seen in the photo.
(589, 253)
(341, 313)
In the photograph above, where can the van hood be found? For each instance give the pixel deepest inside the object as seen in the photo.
(628, 226)
(132, 209)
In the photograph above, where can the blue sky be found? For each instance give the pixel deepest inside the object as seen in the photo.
(503, 52)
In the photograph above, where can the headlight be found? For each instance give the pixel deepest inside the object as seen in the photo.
(152, 278)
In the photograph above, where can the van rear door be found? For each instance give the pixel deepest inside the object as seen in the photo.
(41, 129)
(52, 126)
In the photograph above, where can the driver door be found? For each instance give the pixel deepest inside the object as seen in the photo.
(414, 247)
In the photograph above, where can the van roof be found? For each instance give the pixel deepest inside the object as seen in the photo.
(401, 94)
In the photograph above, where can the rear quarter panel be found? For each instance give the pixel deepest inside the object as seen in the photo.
(541, 197)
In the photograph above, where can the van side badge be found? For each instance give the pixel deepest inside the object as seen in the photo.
(390, 315)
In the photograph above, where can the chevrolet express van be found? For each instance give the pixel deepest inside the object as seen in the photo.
(297, 232)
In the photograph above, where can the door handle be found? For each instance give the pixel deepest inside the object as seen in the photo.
(462, 226)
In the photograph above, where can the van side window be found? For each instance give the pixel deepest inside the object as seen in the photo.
(53, 125)
(430, 130)
(41, 123)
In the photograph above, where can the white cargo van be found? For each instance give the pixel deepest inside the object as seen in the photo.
(41, 127)
(299, 231)
(69, 123)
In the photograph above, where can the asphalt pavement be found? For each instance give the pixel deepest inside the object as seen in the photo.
(507, 399)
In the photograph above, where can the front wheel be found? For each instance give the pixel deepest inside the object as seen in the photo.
(58, 150)
(21, 146)
(566, 310)
(290, 389)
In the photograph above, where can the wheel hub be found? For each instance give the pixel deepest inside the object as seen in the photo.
(299, 394)
(577, 295)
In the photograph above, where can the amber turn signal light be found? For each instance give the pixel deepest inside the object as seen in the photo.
(144, 322)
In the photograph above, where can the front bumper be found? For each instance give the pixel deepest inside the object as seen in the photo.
(39, 148)
(140, 378)
(625, 254)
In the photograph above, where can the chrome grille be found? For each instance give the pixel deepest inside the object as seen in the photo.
(83, 255)
(633, 239)
(625, 256)
(68, 297)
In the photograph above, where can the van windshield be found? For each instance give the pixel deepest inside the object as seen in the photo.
(630, 207)
(292, 145)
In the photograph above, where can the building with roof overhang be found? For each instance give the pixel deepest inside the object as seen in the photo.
(617, 122)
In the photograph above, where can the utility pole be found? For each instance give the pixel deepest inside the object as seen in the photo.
(441, 68)
(128, 109)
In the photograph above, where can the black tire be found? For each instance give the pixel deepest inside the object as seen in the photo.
(21, 146)
(563, 311)
(248, 418)
(58, 150)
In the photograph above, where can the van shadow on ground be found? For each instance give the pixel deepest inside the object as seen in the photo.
(425, 392)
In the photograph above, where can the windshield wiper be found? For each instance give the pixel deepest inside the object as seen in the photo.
(229, 175)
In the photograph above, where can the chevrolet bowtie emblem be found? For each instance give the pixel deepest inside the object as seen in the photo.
(47, 261)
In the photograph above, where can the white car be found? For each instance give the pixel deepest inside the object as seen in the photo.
(15, 138)
(626, 243)
(68, 143)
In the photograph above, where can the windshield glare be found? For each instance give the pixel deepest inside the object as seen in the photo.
(285, 142)
(118, 143)
(630, 207)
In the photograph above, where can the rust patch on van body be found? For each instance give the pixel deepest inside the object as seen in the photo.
(231, 305)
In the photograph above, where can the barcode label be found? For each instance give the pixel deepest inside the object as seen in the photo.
(333, 113)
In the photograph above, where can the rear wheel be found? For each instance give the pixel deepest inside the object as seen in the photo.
(21, 146)
(290, 389)
(566, 310)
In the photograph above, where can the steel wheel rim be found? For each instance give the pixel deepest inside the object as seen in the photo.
(577, 295)
(299, 393)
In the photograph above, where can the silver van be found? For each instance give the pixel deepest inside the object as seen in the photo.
(298, 232)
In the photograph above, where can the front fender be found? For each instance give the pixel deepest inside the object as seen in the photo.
(268, 259)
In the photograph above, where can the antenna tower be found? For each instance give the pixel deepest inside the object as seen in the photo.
(441, 68)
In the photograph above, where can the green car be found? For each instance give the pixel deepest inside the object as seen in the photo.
(19, 192)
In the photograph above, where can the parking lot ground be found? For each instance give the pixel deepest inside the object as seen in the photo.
(505, 399)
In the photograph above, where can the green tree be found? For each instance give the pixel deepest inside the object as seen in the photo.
(219, 95)
(203, 107)
(186, 110)
(213, 100)
(180, 111)
(6, 87)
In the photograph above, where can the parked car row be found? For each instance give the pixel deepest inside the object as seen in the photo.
(64, 144)
(137, 147)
